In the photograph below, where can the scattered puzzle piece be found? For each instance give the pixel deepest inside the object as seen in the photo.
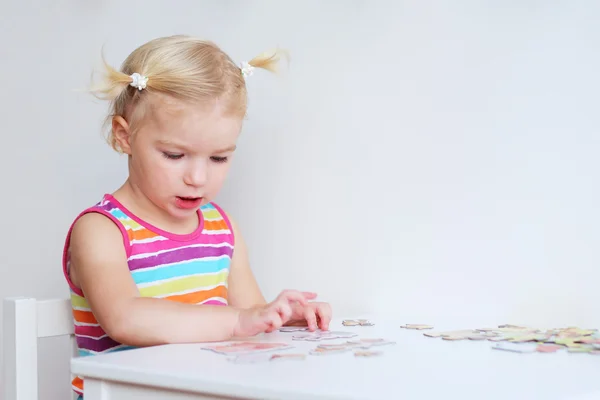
(357, 322)
(290, 356)
(548, 348)
(368, 343)
(367, 353)
(323, 335)
(515, 348)
(292, 329)
(527, 340)
(453, 335)
(416, 326)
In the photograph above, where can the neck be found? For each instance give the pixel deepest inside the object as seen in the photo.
(132, 197)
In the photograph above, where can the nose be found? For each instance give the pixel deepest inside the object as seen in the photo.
(196, 175)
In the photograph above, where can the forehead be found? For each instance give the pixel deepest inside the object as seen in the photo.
(196, 125)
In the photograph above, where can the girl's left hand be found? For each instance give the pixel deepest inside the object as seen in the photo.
(316, 314)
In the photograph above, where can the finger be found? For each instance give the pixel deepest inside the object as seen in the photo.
(311, 318)
(324, 313)
(300, 297)
(275, 321)
(309, 295)
(284, 310)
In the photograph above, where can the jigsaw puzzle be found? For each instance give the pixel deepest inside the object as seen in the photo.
(522, 339)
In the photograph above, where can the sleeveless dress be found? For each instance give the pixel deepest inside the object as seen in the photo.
(191, 268)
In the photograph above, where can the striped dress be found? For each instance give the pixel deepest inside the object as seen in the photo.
(190, 268)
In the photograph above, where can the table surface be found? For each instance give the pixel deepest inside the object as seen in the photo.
(415, 367)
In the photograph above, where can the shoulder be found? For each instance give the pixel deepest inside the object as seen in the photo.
(94, 233)
(94, 242)
(97, 228)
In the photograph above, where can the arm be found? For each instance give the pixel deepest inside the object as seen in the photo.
(99, 268)
(245, 293)
(243, 289)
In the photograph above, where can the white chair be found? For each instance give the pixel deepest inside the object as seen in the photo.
(26, 320)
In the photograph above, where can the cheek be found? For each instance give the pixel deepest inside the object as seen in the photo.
(219, 175)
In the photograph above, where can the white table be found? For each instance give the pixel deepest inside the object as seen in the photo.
(417, 367)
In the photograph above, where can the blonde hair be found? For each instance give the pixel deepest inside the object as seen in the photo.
(182, 67)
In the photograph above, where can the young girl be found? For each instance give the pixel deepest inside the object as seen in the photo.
(158, 261)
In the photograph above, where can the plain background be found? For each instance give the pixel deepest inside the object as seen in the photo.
(417, 158)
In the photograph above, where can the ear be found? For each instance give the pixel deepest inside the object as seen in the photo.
(122, 134)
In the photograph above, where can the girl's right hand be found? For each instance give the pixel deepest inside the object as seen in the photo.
(271, 316)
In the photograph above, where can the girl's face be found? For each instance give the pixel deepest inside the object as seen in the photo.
(180, 156)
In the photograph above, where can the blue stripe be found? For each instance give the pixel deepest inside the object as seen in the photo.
(117, 213)
(208, 206)
(191, 267)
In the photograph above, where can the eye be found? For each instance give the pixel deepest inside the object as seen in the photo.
(219, 159)
(172, 156)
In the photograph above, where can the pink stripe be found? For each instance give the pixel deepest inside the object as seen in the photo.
(227, 221)
(159, 245)
(153, 228)
(218, 238)
(153, 247)
(93, 331)
(215, 302)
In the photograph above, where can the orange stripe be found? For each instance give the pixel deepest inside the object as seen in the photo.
(84, 316)
(201, 295)
(215, 225)
(78, 383)
(141, 234)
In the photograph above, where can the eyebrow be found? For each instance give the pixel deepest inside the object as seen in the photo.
(183, 147)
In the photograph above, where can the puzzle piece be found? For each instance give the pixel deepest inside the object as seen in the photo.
(292, 329)
(368, 343)
(319, 351)
(416, 326)
(547, 348)
(357, 322)
(242, 348)
(515, 348)
(289, 356)
(453, 335)
(323, 335)
(367, 353)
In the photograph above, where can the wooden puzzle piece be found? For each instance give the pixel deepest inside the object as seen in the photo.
(515, 347)
(368, 343)
(323, 335)
(292, 329)
(367, 353)
(548, 348)
(357, 322)
(416, 326)
(287, 356)
(319, 351)
(453, 335)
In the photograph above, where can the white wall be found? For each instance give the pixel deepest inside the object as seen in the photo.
(422, 159)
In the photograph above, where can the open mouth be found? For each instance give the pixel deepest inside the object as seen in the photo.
(188, 202)
(189, 198)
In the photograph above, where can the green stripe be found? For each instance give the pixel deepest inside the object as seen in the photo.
(184, 284)
(78, 301)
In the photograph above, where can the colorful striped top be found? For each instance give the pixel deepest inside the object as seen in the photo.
(191, 268)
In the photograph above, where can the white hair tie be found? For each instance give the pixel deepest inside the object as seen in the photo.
(247, 69)
(138, 81)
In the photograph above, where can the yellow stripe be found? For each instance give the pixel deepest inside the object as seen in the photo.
(211, 214)
(187, 283)
(79, 301)
(129, 223)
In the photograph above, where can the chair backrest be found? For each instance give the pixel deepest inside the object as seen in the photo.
(25, 320)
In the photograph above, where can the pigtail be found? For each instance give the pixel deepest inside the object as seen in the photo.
(113, 83)
(266, 60)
